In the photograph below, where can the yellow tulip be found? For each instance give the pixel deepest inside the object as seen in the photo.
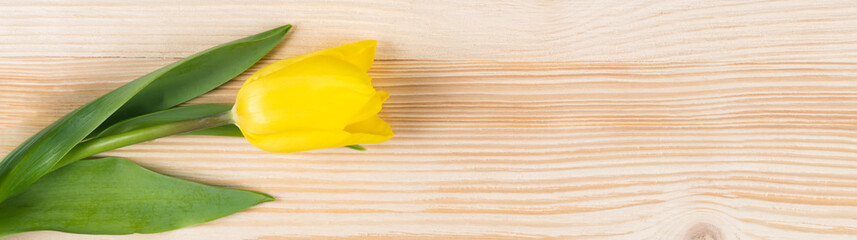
(319, 100)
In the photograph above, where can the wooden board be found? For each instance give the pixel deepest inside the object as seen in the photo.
(514, 119)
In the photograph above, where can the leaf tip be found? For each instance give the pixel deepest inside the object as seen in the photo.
(266, 197)
(284, 28)
(356, 147)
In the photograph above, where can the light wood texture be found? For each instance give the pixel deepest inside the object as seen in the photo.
(513, 119)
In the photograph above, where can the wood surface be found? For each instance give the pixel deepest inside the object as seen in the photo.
(613, 119)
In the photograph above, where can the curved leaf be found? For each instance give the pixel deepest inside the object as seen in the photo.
(115, 196)
(198, 74)
(224, 131)
(181, 114)
(165, 116)
(158, 90)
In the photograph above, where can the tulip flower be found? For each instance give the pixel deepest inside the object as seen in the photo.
(318, 100)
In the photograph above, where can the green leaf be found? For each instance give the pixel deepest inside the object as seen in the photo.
(181, 114)
(356, 147)
(165, 116)
(155, 91)
(198, 74)
(115, 196)
(174, 115)
(225, 131)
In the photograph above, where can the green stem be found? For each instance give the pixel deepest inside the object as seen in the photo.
(107, 143)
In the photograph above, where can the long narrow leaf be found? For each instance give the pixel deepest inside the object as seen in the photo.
(165, 116)
(173, 115)
(115, 196)
(224, 131)
(181, 114)
(198, 74)
(162, 88)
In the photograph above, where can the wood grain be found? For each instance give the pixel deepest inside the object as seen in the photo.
(513, 120)
(609, 30)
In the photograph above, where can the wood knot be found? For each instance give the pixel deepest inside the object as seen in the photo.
(703, 231)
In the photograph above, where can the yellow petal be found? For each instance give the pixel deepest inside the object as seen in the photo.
(372, 107)
(318, 100)
(371, 130)
(296, 141)
(317, 93)
(360, 54)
